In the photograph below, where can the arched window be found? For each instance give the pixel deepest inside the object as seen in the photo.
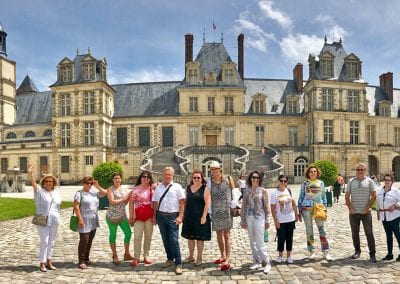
(29, 134)
(47, 132)
(11, 135)
(300, 165)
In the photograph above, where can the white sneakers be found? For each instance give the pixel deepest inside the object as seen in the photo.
(267, 267)
(255, 266)
(327, 255)
(312, 255)
(279, 259)
(289, 260)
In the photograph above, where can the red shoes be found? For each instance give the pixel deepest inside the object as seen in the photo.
(134, 262)
(148, 261)
(219, 261)
(225, 266)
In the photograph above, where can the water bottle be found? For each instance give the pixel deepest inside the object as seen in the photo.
(266, 235)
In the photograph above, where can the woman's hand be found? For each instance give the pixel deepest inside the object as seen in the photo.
(203, 220)
(300, 218)
(81, 223)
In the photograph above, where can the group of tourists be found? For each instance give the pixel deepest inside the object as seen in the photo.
(207, 205)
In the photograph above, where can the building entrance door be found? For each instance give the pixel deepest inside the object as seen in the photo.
(211, 140)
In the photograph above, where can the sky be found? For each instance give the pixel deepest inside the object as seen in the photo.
(143, 40)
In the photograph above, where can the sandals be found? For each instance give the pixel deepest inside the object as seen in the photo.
(128, 257)
(219, 261)
(115, 260)
(83, 266)
(43, 268)
(198, 262)
(134, 262)
(148, 261)
(189, 259)
(51, 266)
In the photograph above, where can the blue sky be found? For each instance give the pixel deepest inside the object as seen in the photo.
(143, 40)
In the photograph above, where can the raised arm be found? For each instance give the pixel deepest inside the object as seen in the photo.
(103, 192)
(33, 181)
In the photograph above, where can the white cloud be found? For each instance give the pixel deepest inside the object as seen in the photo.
(280, 17)
(256, 37)
(296, 48)
(333, 31)
(145, 75)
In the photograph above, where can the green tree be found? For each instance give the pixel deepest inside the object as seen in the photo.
(328, 171)
(102, 173)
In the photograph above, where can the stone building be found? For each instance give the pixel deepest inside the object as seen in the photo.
(214, 113)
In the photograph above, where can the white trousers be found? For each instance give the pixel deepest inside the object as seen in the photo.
(255, 227)
(47, 238)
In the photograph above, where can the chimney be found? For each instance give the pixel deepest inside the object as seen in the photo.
(240, 55)
(386, 83)
(188, 48)
(298, 77)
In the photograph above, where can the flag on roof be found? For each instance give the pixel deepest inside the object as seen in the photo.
(214, 26)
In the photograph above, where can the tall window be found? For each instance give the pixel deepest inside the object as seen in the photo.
(397, 136)
(4, 165)
(328, 131)
(23, 164)
(88, 71)
(327, 68)
(291, 107)
(65, 104)
(229, 135)
(352, 69)
(353, 101)
(144, 136)
(88, 103)
(88, 160)
(229, 76)
(228, 104)
(122, 137)
(65, 135)
(300, 165)
(193, 135)
(193, 76)
(259, 135)
(327, 99)
(354, 132)
(371, 135)
(384, 110)
(43, 164)
(65, 164)
(258, 106)
(292, 136)
(193, 104)
(89, 133)
(211, 104)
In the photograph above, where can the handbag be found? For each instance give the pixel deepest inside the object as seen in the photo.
(73, 220)
(115, 219)
(319, 212)
(144, 212)
(40, 220)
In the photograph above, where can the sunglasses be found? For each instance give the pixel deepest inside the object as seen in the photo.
(255, 177)
(360, 170)
(145, 177)
(196, 177)
(283, 180)
(48, 180)
(90, 183)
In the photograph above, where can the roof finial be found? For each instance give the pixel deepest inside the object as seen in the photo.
(222, 37)
(204, 35)
(340, 40)
(77, 51)
(89, 51)
(325, 39)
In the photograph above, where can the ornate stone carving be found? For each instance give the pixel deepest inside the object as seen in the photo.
(211, 128)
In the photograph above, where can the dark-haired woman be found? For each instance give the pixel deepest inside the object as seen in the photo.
(255, 218)
(312, 191)
(285, 214)
(388, 201)
(86, 202)
(196, 221)
(140, 216)
(118, 197)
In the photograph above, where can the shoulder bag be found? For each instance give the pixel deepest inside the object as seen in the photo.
(144, 212)
(162, 197)
(40, 219)
(73, 220)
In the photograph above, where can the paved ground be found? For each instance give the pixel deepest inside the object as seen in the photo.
(19, 249)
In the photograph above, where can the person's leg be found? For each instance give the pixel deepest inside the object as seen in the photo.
(162, 222)
(126, 229)
(308, 222)
(355, 231)
(138, 229)
(112, 240)
(221, 246)
(389, 237)
(92, 234)
(395, 224)
(227, 240)
(82, 247)
(44, 232)
(174, 240)
(200, 246)
(281, 232)
(251, 227)
(289, 237)
(148, 232)
(322, 235)
(262, 252)
(367, 224)
(52, 240)
(191, 245)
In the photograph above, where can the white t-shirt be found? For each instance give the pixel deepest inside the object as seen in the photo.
(284, 206)
(170, 203)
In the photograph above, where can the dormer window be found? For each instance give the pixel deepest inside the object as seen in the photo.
(258, 106)
(352, 69)
(229, 74)
(88, 71)
(384, 109)
(66, 73)
(193, 73)
(327, 68)
(292, 104)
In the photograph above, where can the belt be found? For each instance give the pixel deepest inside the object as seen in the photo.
(168, 213)
(384, 210)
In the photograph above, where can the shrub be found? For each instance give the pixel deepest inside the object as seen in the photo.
(328, 171)
(102, 173)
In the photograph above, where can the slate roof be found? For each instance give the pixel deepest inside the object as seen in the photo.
(27, 86)
(33, 107)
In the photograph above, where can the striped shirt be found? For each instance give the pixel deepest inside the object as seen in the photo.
(360, 192)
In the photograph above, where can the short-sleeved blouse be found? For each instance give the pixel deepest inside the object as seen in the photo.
(88, 204)
(117, 210)
(221, 197)
(48, 203)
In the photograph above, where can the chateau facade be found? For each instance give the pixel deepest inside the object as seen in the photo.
(83, 121)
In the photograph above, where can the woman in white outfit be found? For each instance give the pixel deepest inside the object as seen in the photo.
(47, 202)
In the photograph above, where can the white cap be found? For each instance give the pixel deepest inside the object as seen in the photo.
(215, 164)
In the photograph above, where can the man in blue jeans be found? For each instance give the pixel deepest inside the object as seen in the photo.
(168, 204)
(360, 195)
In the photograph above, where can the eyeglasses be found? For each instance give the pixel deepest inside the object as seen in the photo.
(196, 177)
(283, 180)
(89, 183)
(145, 177)
(360, 170)
(48, 180)
(255, 177)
